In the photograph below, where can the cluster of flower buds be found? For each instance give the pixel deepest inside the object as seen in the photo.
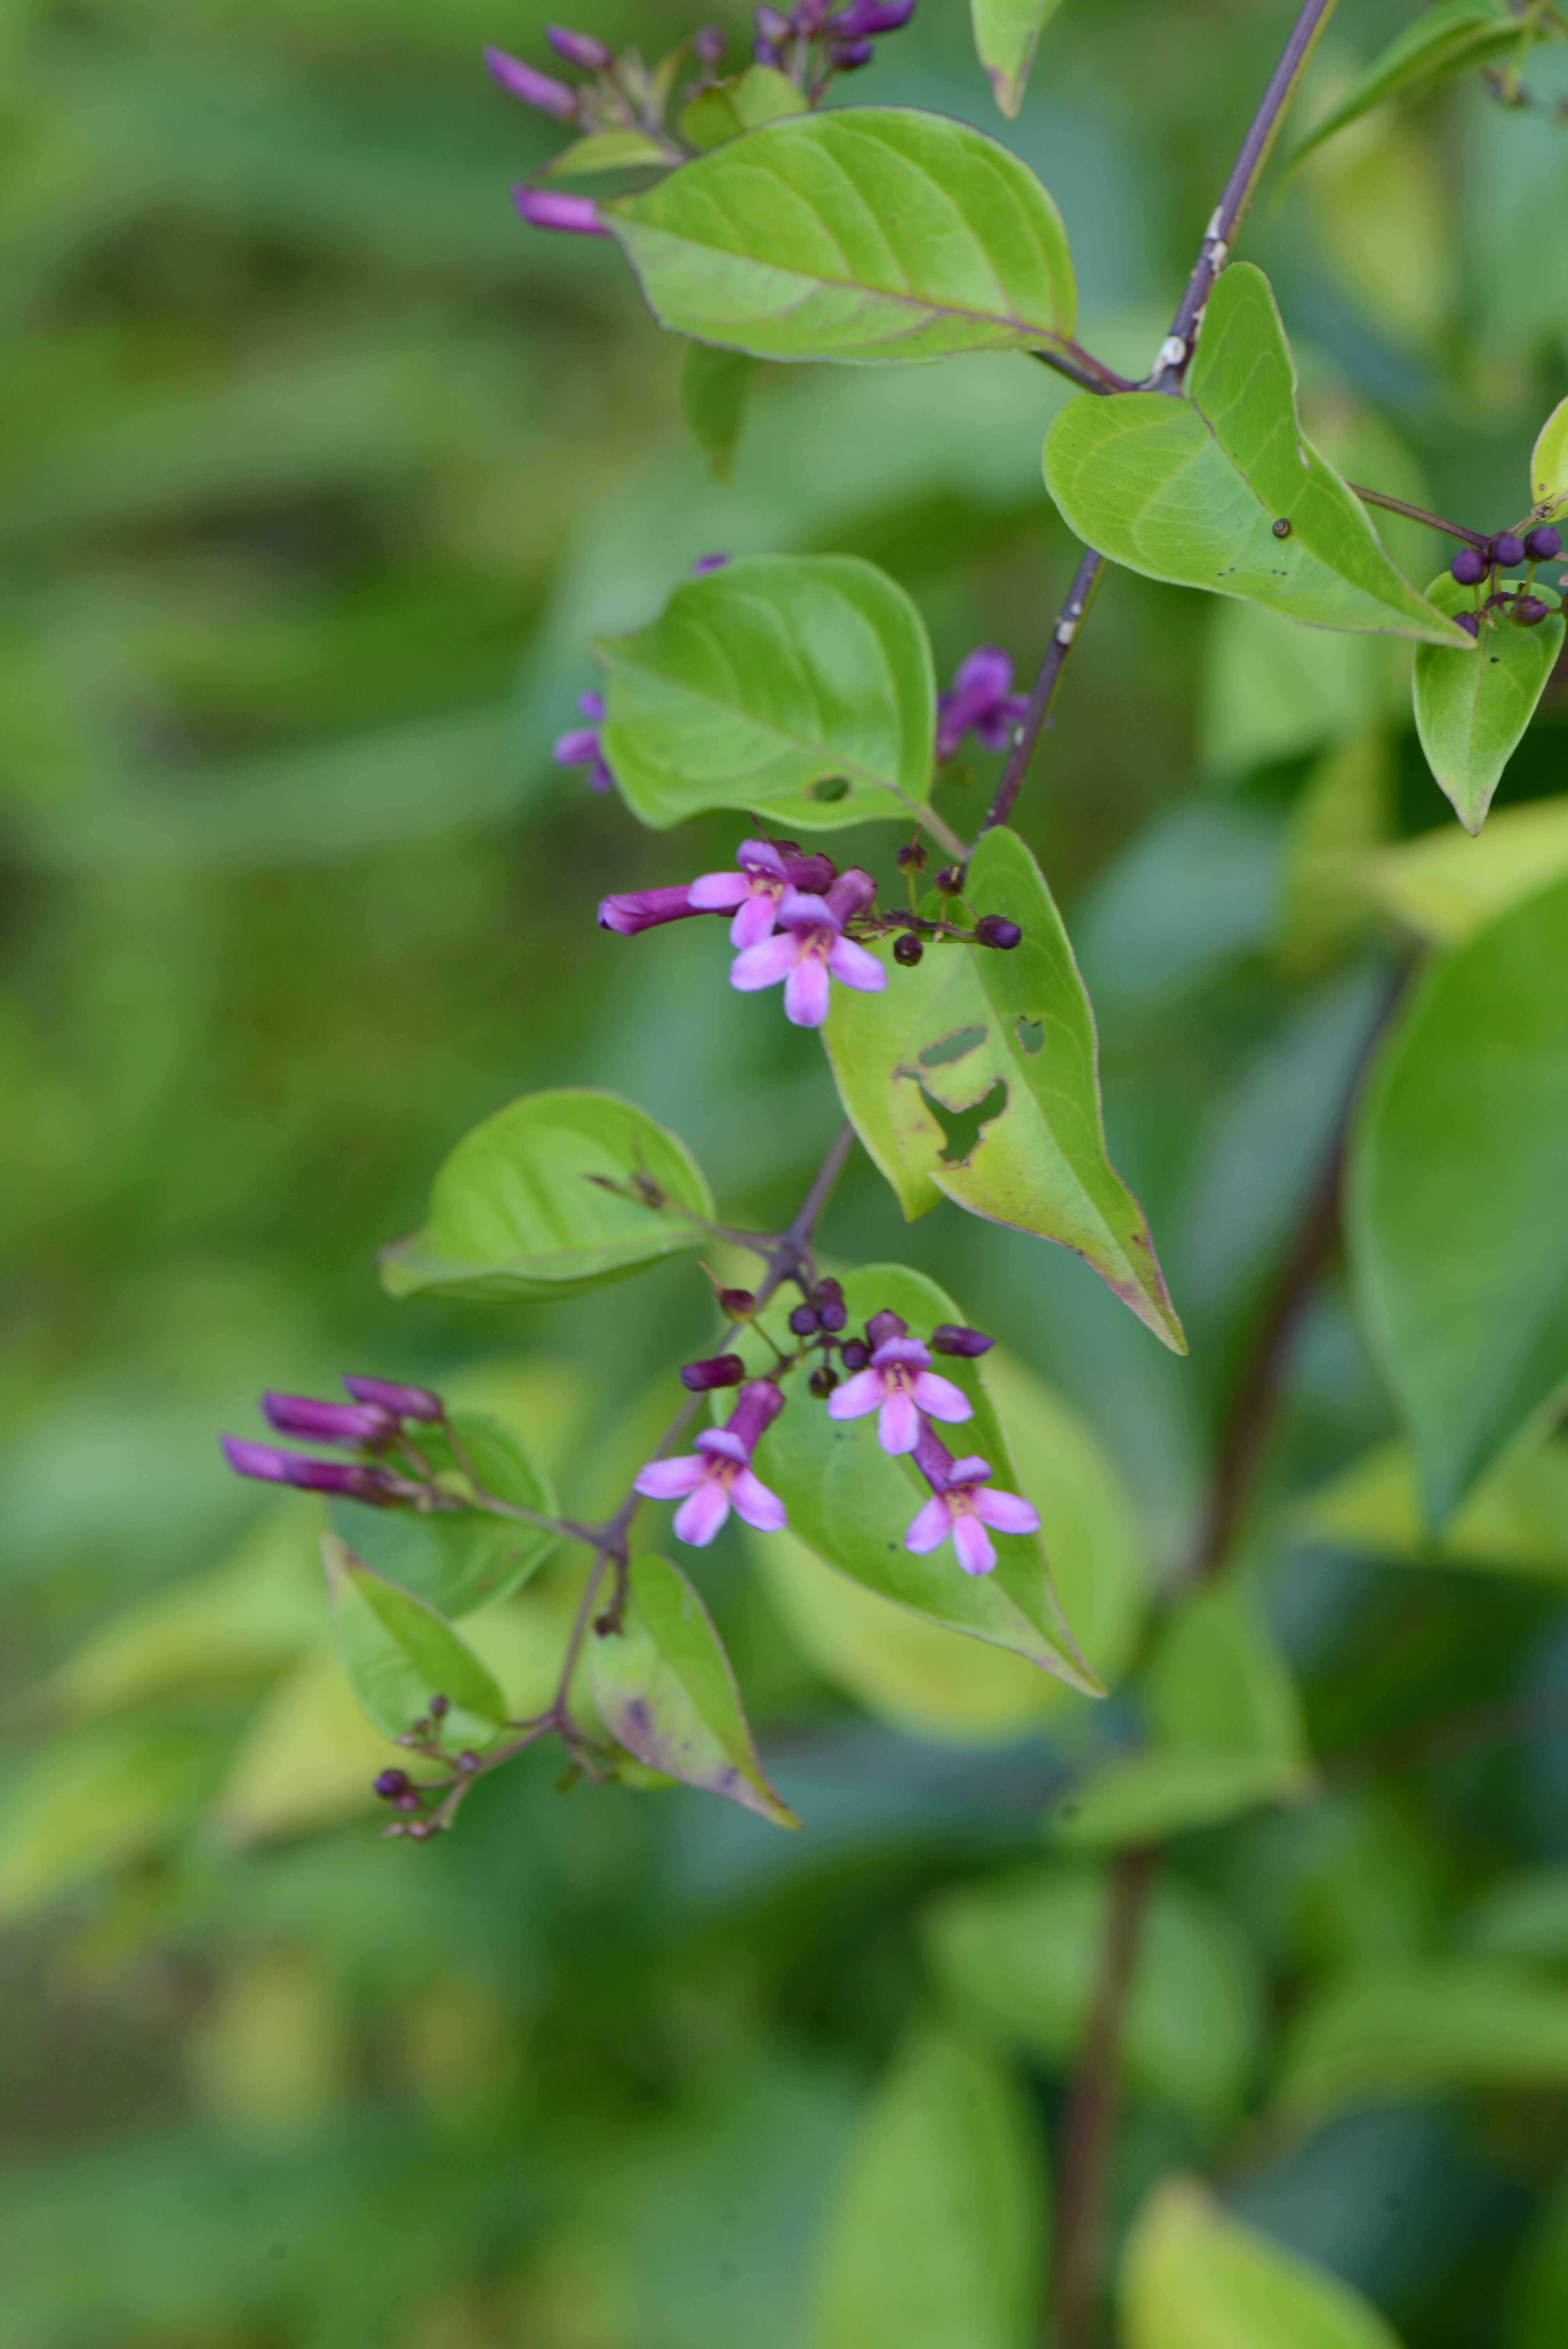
(424, 1810)
(368, 1428)
(815, 39)
(578, 746)
(1506, 551)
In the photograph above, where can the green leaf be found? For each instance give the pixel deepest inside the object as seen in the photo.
(1006, 33)
(1011, 1033)
(866, 233)
(1426, 2029)
(1164, 1791)
(519, 1209)
(1022, 1953)
(714, 385)
(936, 2239)
(1192, 2277)
(1446, 884)
(468, 1557)
(773, 684)
(664, 1686)
(1515, 1520)
(761, 94)
(398, 1653)
(82, 1805)
(1189, 490)
(1458, 1174)
(1472, 707)
(1549, 463)
(1455, 37)
(607, 151)
(852, 1503)
(905, 1670)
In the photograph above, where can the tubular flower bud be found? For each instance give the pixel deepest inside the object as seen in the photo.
(883, 1326)
(535, 89)
(717, 1370)
(329, 1422)
(403, 1403)
(996, 930)
(952, 1337)
(350, 1478)
(645, 909)
(845, 56)
(863, 19)
(546, 208)
(580, 49)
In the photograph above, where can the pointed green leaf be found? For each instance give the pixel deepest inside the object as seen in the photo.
(1194, 2278)
(1006, 33)
(1164, 1790)
(801, 685)
(1446, 884)
(865, 234)
(398, 1653)
(1472, 707)
(714, 385)
(520, 1210)
(1515, 1520)
(1549, 463)
(466, 1557)
(1428, 2029)
(1455, 37)
(1458, 1176)
(1013, 1034)
(1190, 490)
(607, 151)
(852, 1503)
(936, 2239)
(664, 1689)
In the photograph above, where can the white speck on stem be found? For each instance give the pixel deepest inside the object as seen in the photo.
(1172, 352)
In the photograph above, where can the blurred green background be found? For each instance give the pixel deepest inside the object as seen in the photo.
(316, 471)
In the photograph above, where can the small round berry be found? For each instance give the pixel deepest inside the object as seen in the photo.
(907, 950)
(740, 1304)
(409, 1800)
(831, 1315)
(1543, 545)
(950, 880)
(1468, 566)
(1468, 622)
(910, 857)
(855, 1355)
(996, 930)
(391, 1783)
(439, 1707)
(822, 1382)
(803, 1321)
(828, 1287)
(1528, 611)
(468, 1761)
(1507, 550)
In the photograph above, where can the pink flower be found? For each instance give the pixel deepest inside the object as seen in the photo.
(719, 1476)
(981, 701)
(900, 1384)
(765, 873)
(963, 1507)
(810, 944)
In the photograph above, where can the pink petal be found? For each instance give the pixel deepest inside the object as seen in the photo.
(856, 967)
(756, 1503)
(766, 965)
(666, 1480)
(976, 1550)
(715, 893)
(720, 1440)
(1008, 1511)
(901, 1350)
(940, 1398)
(970, 1470)
(857, 1395)
(929, 1526)
(898, 1429)
(755, 920)
(697, 1520)
(762, 854)
(806, 993)
(803, 911)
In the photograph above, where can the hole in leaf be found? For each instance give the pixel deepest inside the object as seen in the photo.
(961, 1127)
(952, 1048)
(1031, 1035)
(831, 787)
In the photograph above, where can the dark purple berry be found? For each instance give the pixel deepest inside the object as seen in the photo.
(803, 1321)
(1468, 566)
(952, 1337)
(996, 930)
(740, 1304)
(468, 1761)
(391, 1783)
(1528, 611)
(855, 1355)
(907, 950)
(1470, 622)
(822, 1382)
(1507, 550)
(439, 1707)
(950, 880)
(910, 857)
(831, 1314)
(409, 1800)
(828, 1287)
(1543, 545)
(718, 1370)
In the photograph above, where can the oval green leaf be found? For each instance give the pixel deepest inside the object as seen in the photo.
(398, 1653)
(1445, 886)
(801, 686)
(1454, 38)
(1189, 490)
(1549, 463)
(867, 233)
(1005, 34)
(1192, 2277)
(666, 1693)
(520, 1208)
(608, 150)
(1515, 1520)
(466, 1558)
(1010, 1035)
(1472, 707)
(1458, 1174)
(1428, 2029)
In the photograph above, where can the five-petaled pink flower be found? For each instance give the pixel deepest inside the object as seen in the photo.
(900, 1384)
(767, 874)
(810, 945)
(719, 1476)
(963, 1507)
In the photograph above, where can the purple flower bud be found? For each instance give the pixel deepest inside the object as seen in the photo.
(718, 1370)
(409, 1800)
(910, 857)
(950, 880)
(1528, 611)
(1468, 566)
(706, 562)
(439, 1707)
(803, 1321)
(833, 1314)
(534, 89)
(1470, 622)
(854, 1355)
(845, 56)
(738, 1304)
(813, 875)
(851, 893)
(772, 25)
(349, 1478)
(580, 49)
(932, 1457)
(645, 909)
(883, 1326)
(1545, 544)
(907, 950)
(545, 208)
(865, 18)
(329, 1422)
(952, 1337)
(391, 1783)
(996, 930)
(765, 53)
(403, 1403)
(759, 1405)
(1507, 550)
(708, 46)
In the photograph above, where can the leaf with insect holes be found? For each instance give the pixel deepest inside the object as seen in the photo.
(1005, 34)
(866, 233)
(1191, 489)
(541, 1201)
(1008, 1037)
(1456, 37)
(398, 1653)
(801, 686)
(666, 1693)
(1473, 708)
(1549, 463)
